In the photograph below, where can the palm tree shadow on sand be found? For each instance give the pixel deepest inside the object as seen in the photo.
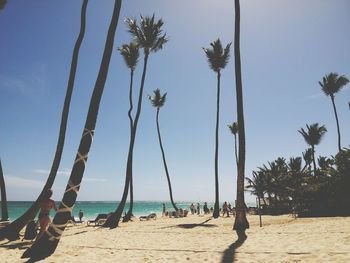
(189, 226)
(229, 253)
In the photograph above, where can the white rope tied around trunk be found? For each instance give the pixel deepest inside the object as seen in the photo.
(59, 228)
(90, 132)
(81, 158)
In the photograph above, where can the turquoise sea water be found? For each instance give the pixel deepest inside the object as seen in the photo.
(92, 208)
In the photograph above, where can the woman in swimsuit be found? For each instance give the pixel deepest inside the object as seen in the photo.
(44, 216)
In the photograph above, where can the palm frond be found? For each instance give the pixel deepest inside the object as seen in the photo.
(333, 83)
(217, 56)
(157, 100)
(233, 128)
(148, 34)
(130, 53)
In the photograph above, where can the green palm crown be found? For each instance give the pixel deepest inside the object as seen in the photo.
(157, 99)
(217, 56)
(332, 83)
(130, 53)
(148, 34)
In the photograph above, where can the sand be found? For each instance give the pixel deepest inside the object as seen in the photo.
(200, 239)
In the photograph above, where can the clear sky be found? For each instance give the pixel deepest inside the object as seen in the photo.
(287, 46)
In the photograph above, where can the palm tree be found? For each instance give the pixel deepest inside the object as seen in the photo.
(148, 36)
(3, 4)
(307, 156)
(157, 101)
(12, 230)
(331, 84)
(4, 211)
(241, 222)
(257, 187)
(46, 245)
(217, 59)
(313, 137)
(234, 130)
(130, 54)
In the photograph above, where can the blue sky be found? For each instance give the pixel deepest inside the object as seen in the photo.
(287, 47)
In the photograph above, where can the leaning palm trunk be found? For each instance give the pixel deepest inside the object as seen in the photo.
(164, 162)
(48, 243)
(113, 220)
(128, 216)
(216, 212)
(336, 119)
(4, 211)
(12, 230)
(241, 222)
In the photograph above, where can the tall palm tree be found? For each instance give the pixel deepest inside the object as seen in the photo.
(46, 245)
(130, 53)
(234, 130)
(313, 137)
(332, 84)
(217, 59)
(4, 211)
(12, 230)
(157, 101)
(241, 222)
(148, 36)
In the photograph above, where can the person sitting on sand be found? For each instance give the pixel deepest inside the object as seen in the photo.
(44, 216)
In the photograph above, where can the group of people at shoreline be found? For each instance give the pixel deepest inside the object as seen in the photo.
(226, 209)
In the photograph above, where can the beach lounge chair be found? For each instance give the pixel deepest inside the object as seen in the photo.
(99, 220)
(4, 223)
(150, 216)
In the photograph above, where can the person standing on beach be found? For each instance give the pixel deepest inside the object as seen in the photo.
(198, 209)
(44, 216)
(81, 214)
(164, 210)
(225, 209)
(205, 208)
(192, 208)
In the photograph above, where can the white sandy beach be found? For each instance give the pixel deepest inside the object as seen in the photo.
(200, 239)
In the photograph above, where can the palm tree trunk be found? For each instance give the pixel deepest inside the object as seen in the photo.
(128, 216)
(113, 220)
(12, 230)
(336, 119)
(313, 158)
(164, 162)
(236, 149)
(4, 211)
(46, 245)
(259, 209)
(241, 222)
(216, 212)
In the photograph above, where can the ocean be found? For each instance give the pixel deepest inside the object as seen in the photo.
(92, 208)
